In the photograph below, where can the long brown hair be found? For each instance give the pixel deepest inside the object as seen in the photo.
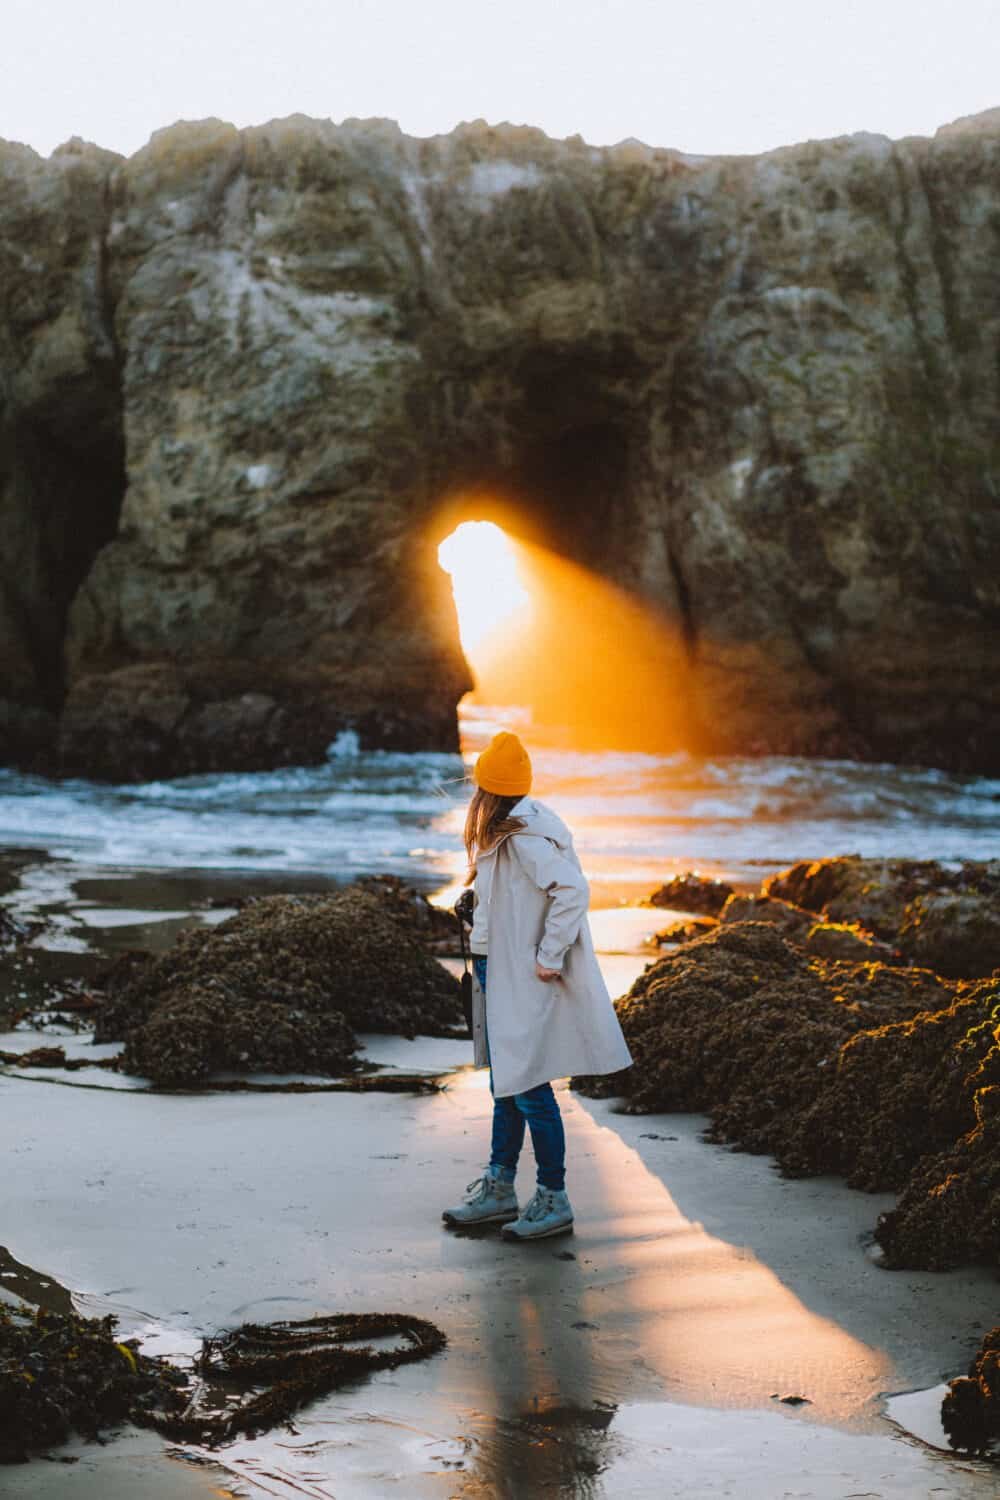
(487, 820)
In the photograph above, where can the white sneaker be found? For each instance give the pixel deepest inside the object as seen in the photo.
(488, 1200)
(549, 1212)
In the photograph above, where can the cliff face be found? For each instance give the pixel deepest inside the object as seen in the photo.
(249, 376)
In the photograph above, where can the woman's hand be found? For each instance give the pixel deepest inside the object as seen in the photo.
(546, 974)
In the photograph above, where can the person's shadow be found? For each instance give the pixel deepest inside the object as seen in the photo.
(548, 1430)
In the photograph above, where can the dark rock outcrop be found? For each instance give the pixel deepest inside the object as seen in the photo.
(251, 377)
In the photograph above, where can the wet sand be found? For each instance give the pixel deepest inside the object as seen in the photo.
(641, 1354)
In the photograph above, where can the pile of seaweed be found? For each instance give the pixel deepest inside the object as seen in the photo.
(61, 1373)
(282, 986)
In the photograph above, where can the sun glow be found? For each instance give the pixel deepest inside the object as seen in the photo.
(590, 663)
(485, 580)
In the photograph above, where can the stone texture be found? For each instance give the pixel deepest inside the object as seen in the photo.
(251, 378)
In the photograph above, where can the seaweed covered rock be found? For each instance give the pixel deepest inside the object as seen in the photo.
(691, 892)
(61, 1373)
(824, 938)
(970, 1412)
(949, 1211)
(848, 888)
(791, 920)
(281, 985)
(743, 1025)
(947, 918)
(954, 932)
(684, 932)
(202, 1029)
(886, 1075)
(434, 928)
(899, 1093)
(846, 940)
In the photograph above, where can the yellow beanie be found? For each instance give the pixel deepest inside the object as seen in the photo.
(504, 767)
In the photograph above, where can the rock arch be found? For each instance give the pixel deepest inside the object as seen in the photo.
(758, 392)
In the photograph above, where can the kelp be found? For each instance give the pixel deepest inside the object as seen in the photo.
(296, 1362)
(62, 1373)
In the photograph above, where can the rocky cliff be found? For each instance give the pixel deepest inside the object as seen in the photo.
(249, 378)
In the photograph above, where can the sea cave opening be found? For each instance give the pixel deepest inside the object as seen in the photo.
(553, 644)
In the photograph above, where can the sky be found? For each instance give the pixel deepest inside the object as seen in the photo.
(708, 76)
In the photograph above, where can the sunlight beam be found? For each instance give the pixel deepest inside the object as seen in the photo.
(485, 580)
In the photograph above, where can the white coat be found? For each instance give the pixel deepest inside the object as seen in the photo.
(537, 911)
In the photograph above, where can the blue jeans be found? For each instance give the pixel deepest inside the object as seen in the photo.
(539, 1110)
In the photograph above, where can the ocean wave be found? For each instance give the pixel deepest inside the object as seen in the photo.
(387, 810)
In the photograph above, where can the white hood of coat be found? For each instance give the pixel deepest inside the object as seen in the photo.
(541, 820)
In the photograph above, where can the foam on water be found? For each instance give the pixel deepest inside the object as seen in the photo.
(635, 815)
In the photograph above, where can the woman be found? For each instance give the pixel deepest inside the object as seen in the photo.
(544, 1011)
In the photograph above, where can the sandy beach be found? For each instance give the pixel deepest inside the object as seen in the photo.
(646, 1351)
